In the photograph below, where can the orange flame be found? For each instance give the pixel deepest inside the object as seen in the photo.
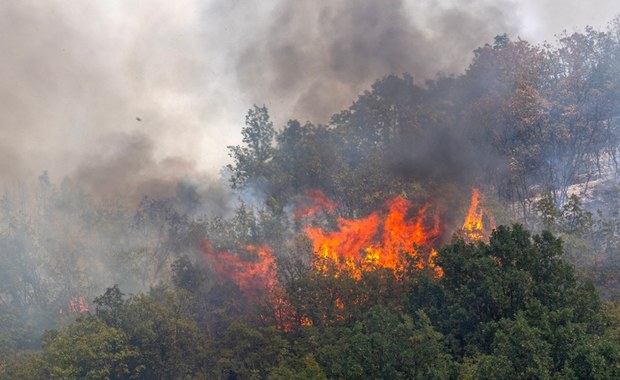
(384, 239)
(377, 241)
(317, 201)
(78, 305)
(254, 276)
(473, 227)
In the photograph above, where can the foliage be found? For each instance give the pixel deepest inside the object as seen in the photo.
(514, 308)
(510, 308)
(252, 160)
(525, 122)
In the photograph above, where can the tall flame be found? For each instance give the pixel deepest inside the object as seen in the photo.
(377, 241)
(474, 228)
(384, 239)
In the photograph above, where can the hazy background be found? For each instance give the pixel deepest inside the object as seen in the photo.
(128, 96)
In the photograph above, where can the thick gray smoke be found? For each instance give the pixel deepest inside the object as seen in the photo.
(122, 166)
(310, 57)
(122, 95)
(110, 93)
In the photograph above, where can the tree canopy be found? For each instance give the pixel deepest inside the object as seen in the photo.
(166, 290)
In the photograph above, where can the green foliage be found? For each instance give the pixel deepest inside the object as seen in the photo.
(512, 308)
(86, 349)
(304, 368)
(547, 210)
(251, 160)
(166, 334)
(187, 276)
(521, 119)
(522, 346)
(590, 240)
(385, 345)
(576, 220)
(248, 352)
(109, 306)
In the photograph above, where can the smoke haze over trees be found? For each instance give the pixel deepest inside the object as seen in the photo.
(75, 75)
(361, 106)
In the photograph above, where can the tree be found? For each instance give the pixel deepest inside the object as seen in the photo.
(165, 333)
(548, 211)
(109, 306)
(86, 349)
(188, 276)
(160, 233)
(513, 308)
(246, 352)
(252, 160)
(505, 115)
(385, 345)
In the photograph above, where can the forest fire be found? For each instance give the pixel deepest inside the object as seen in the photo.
(76, 305)
(253, 276)
(387, 238)
(474, 229)
(256, 278)
(316, 201)
(380, 240)
(336, 234)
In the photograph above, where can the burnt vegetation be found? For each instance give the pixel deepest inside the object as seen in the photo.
(536, 128)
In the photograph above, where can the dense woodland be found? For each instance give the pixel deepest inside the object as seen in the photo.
(95, 289)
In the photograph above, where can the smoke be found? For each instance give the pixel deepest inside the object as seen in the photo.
(76, 76)
(313, 55)
(122, 167)
(445, 155)
(127, 98)
(543, 20)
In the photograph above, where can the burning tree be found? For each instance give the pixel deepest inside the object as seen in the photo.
(478, 221)
(378, 241)
(387, 240)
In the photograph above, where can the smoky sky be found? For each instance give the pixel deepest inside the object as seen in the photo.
(322, 53)
(128, 96)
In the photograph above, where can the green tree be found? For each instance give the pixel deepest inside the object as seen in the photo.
(514, 308)
(188, 276)
(575, 218)
(524, 347)
(87, 349)
(110, 306)
(548, 211)
(165, 333)
(252, 160)
(247, 352)
(385, 345)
